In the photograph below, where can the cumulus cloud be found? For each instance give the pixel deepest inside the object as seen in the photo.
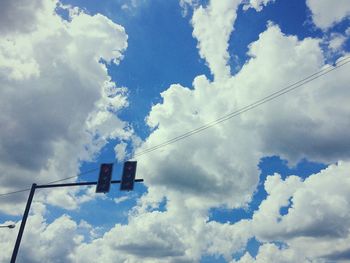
(120, 151)
(212, 26)
(145, 240)
(132, 4)
(53, 241)
(316, 226)
(257, 4)
(326, 13)
(315, 229)
(302, 127)
(121, 199)
(336, 42)
(177, 235)
(18, 17)
(218, 168)
(311, 214)
(58, 103)
(272, 253)
(216, 165)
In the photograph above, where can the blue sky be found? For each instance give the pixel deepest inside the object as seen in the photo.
(91, 82)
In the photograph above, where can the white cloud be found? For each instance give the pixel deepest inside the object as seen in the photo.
(121, 199)
(186, 5)
(178, 235)
(132, 6)
(347, 32)
(145, 239)
(57, 101)
(218, 168)
(336, 42)
(310, 230)
(304, 126)
(273, 254)
(192, 3)
(316, 227)
(53, 242)
(257, 4)
(28, 14)
(120, 151)
(326, 13)
(212, 26)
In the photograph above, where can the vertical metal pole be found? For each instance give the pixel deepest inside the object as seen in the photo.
(23, 223)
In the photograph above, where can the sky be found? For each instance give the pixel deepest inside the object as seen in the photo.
(236, 112)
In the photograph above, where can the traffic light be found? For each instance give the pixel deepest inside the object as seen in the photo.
(105, 177)
(128, 177)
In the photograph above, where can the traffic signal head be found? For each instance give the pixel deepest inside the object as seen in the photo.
(128, 177)
(105, 177)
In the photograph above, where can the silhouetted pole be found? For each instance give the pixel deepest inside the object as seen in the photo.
(23, 223)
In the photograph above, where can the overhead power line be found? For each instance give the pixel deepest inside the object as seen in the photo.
(224, 118)
(52, 182)
(249, 107)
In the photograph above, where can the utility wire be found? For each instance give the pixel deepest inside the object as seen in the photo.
(224, 118)
(74, 176)
(15, 192)
(53, 182)
(249, 107)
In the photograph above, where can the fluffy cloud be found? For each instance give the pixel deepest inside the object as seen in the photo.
(257, 4)
(203, 173)
(311, 128)
(18, 17)
(212, 27)
(53, 242)
(271, 253)
(216, 165)
(175, 235)
(337, 41)
(57, 101)
(317, 205)
(219, 167)
(315, 229)
(326, 13)
(316, 226)
(151, 238)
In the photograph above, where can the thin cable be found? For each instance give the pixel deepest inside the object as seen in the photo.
(251, 106)
(74, 176)
(226, 117)
(52, 182)
(15, 192)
